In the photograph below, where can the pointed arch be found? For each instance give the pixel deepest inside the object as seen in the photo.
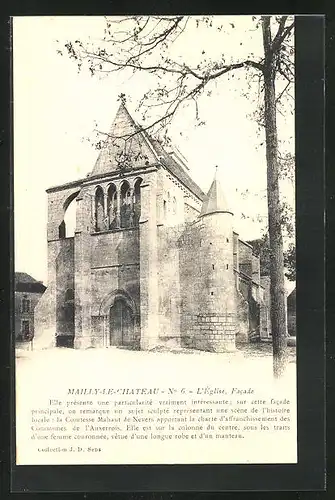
(99, 209)
(112, 202)
(110, 298)
(67, 227)
(125, 205)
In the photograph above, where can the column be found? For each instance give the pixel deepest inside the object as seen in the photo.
(131, 218)
(83, 336)
(93, 221)
(118, 208)
(106, 214)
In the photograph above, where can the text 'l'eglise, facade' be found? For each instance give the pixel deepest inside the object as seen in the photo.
(153, 260)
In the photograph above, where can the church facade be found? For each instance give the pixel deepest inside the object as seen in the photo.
(153, 262)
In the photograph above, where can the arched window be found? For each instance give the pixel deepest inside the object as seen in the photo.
(70, 219)
(99, 209)
(62, 230)
(67, 227)
(137, 201)
(126, 205)
(112, 207)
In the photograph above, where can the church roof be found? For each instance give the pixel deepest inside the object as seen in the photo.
(127, 141)
(176, 169)
(24, 278)
(26, 283)
(215, 200)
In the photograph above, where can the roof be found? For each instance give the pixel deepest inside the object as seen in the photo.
(215, 200)
(26, 283)
(291, 299)
(175, 168)
(128, 141)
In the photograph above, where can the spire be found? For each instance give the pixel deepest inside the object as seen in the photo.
(215, 201)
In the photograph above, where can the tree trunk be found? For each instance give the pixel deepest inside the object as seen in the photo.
(277, 285)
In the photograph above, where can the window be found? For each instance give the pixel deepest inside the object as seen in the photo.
(164, 209)
(226, 266)
(112, 207)
(99, 209)
(25, 329)
(69, 295)
(62, 230)
(126, 205)
(25, 305)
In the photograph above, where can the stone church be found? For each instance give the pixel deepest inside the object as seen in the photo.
(154, 261)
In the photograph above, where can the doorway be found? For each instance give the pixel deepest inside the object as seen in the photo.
(121, 323)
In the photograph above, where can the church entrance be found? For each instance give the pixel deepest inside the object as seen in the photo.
(121, 323)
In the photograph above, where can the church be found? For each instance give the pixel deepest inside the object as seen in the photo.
(154, 261)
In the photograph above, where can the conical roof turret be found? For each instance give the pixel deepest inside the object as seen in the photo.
(215, 200)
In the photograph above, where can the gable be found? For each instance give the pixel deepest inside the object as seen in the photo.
(124, 146)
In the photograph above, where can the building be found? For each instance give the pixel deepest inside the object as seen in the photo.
(28, 292)
(153, 261)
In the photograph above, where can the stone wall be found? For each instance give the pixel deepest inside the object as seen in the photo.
(45, 312)
(169, 285)
(149, 263)
(245, 257)
(114, 266)
(256, 269)
(242, 322)
(211, 333)
(170, 199)
(64, 265)
(190, 212)
(208, 284)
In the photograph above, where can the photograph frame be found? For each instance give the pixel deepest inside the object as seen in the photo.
(310, 383)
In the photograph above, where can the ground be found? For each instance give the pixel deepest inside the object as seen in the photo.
(62, 374)
(250, 358)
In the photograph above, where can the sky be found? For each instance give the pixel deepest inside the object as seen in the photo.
(57, 110)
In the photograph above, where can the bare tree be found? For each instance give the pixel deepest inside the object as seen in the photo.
(145, 44)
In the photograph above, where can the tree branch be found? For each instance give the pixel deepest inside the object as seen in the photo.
(282, 33)
(156, 41)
